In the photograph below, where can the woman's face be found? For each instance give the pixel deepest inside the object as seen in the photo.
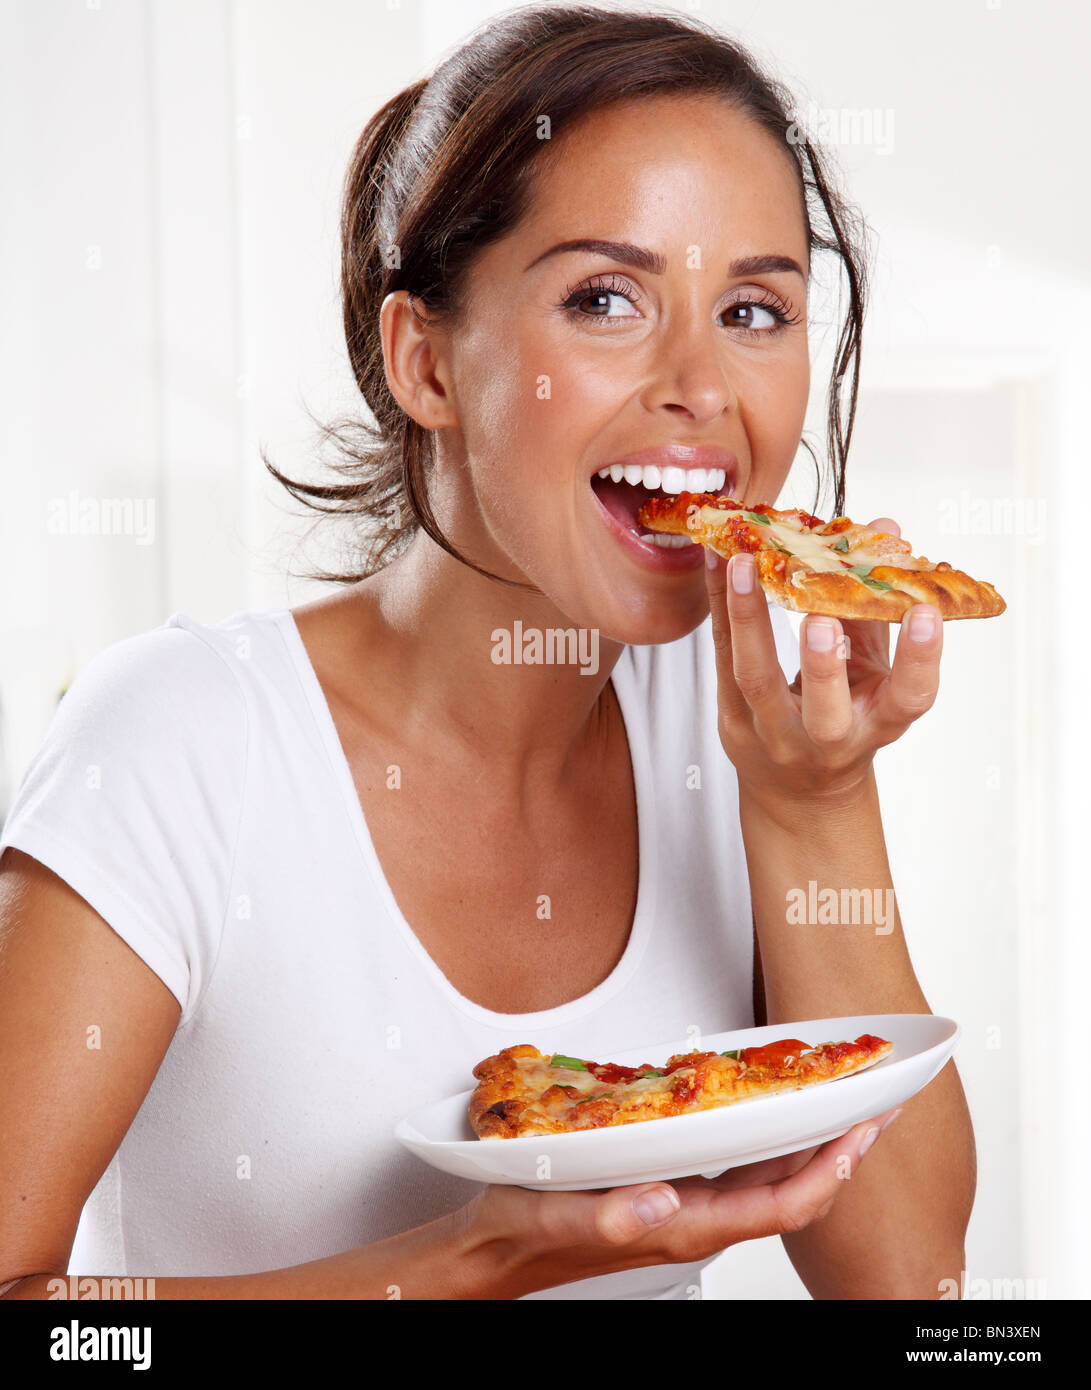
(682, 347)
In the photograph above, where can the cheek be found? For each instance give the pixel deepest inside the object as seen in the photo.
(776, 408)
(529, 405)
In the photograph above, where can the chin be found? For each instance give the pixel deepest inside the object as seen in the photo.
(651, 621)
(621, 603)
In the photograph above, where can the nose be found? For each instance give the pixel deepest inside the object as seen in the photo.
(691, 375)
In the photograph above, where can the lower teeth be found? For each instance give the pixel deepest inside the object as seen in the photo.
(668, 542)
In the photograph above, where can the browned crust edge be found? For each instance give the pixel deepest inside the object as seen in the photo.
(500, 1097)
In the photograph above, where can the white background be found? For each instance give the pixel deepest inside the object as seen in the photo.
(168, 280)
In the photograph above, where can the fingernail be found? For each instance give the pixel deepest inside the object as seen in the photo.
(821, 635)
(922, 625)
(891, 1118)
(742, 574)
(869, 1139)
(711, 558)
(654, 1207)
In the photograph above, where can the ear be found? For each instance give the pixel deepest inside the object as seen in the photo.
(415, 362)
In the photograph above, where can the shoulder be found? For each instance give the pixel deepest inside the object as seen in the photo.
(135, 796)
(169, 706)
(175, 677)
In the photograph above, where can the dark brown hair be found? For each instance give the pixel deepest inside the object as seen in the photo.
(444, 169)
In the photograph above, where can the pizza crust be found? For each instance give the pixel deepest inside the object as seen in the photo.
(954, 593)
(722, 524)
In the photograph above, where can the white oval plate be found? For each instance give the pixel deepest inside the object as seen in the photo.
(706, 1143)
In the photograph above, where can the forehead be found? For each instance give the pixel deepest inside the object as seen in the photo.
(670, 169)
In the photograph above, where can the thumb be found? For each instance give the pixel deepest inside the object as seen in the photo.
(617, 1217)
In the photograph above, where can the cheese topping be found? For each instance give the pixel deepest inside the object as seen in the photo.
(539, 1076)
(815, 552)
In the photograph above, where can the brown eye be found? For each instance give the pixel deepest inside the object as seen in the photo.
(602, 299)
(597, 304)
(755, 316)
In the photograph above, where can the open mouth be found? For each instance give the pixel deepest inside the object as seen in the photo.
(622, 491)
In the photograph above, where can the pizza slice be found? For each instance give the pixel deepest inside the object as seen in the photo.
(837, 568)
(521, 1091)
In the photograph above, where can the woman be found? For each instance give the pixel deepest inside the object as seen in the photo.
(345, 852)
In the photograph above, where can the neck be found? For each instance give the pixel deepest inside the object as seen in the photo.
(478, 666)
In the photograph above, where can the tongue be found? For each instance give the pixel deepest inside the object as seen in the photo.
(622, 500)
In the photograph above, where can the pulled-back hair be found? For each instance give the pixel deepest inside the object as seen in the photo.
(444, 169)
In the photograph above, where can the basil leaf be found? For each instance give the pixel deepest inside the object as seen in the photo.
(864, 572)
(574, 1062)
(757, 516)
(587, 1098)
(781, 548)
(841, 544)
(641, 1075)
(733, 1055)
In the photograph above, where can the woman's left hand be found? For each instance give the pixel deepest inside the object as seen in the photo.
(815, 739)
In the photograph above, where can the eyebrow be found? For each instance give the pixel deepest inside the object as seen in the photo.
(655, 264)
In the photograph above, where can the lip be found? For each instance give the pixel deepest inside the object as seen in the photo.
(652, 557)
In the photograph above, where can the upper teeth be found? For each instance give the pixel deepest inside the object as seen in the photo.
(669, 479)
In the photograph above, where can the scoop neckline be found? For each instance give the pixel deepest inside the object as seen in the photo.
(635, 724)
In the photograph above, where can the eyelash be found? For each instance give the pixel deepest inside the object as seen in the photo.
(784, 312)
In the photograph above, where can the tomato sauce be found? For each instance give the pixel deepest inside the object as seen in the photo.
(775, 1054)
(611, 1072)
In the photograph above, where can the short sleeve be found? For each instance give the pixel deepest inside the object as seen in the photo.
(135, 795)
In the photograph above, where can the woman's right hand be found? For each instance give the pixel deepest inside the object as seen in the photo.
(522, 1241)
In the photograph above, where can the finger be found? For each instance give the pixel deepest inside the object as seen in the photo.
(623, 1215)
(794, 1202)
(910, 690)
(617, 1217)
(732, 704)
(754, 659)
(767, 1171)
(887, 524)
(827, 711)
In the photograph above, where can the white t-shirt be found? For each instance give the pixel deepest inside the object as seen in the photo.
(193, 789)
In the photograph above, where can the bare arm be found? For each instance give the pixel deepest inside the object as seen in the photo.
(65, 1107)
(809, 810)
(900, 1227)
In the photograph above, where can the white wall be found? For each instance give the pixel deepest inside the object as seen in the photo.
(168, 275)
